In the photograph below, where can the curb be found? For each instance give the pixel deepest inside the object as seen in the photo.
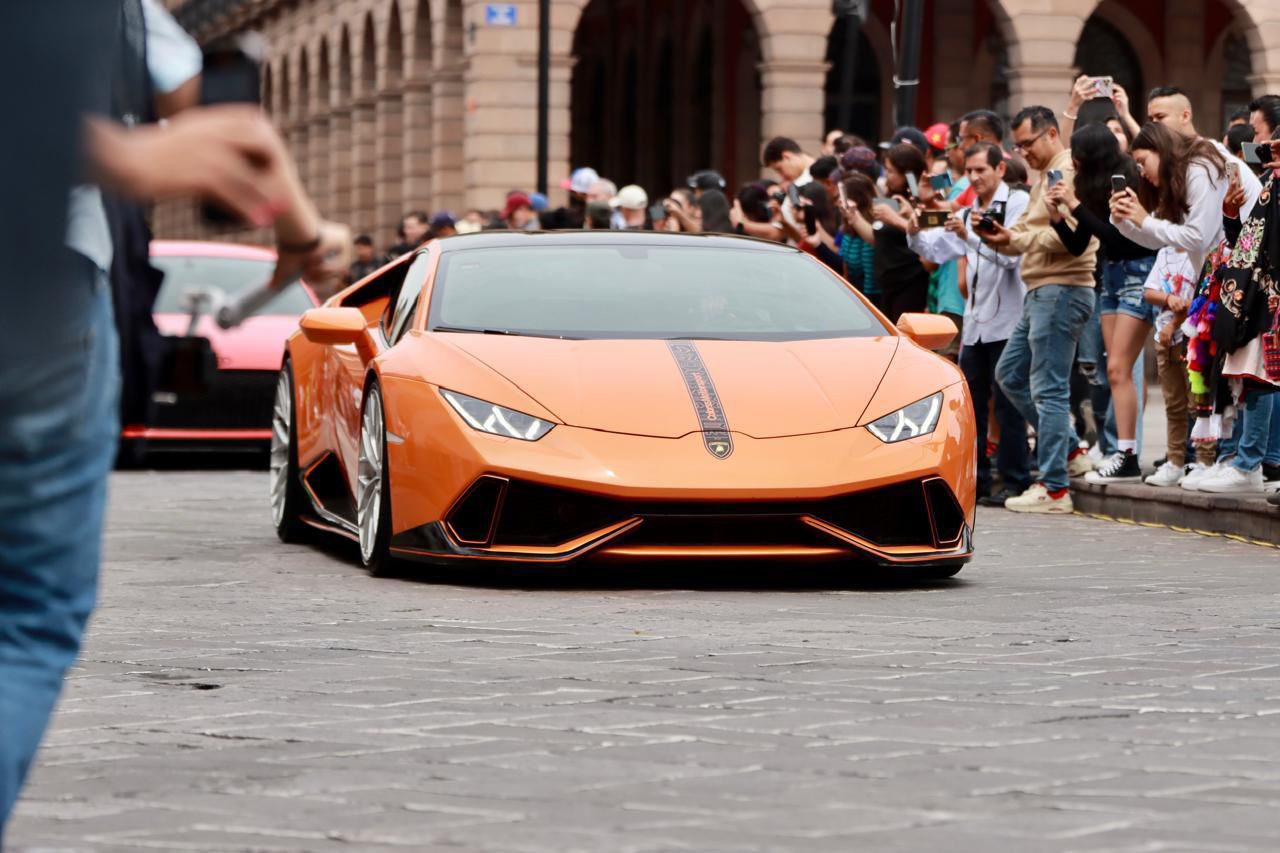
(1245, 518)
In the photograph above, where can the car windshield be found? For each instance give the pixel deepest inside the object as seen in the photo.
(644, 291)
(230, 276)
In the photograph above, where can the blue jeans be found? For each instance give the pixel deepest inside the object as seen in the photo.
(58, 431)
(1035, 371)
(1123, 283)
(1257, 430)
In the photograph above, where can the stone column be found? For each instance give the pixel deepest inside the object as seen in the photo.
(389, 148)
(340, 207)
(1042, 59)
(1184, 46)
(448, 109)
(416, 123)
(791, 100)
(363, 163)
(319, 178)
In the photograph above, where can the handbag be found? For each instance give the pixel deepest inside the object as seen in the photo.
(1271, 349)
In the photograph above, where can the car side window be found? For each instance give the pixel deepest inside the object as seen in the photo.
(401, 312)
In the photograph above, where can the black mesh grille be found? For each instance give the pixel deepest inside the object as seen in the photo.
(542, 515)
(236, 399)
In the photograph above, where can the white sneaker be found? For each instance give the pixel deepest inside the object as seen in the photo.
(1095, 454)
(1198, 475)
(1037, 499)
(1231, 480)
(1079, 465)
(1167, 474)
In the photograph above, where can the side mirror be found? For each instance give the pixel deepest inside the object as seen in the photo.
(334, 326)
(931, 331)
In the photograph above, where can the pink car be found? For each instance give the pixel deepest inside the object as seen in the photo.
(235, 413)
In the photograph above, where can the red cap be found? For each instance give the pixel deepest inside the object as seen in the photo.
(938, 135)
(515, 201)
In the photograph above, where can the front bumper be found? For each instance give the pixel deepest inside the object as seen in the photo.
(577, 493)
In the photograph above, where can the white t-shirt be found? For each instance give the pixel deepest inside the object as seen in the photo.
(1172, 273)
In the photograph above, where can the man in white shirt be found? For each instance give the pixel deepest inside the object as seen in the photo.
(993, 291)
(1169, 105)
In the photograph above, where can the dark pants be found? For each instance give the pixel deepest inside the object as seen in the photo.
(978, 361)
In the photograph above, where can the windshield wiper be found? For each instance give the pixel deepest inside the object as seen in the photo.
(511, 332)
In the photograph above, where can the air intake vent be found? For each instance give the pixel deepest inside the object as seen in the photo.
(473, 518)
(944, 509)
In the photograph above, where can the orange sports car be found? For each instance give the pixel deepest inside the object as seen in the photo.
(565, 396)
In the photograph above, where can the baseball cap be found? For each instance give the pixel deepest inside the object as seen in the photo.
(580, 181)
(442, 219)
(911, 135)
(860, 159)
(938, 135)
(630, 197)
(515, 201)
(707, 179)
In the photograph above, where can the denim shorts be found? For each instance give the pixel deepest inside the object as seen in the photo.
(1123, 283)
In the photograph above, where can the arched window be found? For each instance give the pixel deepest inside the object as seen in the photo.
(1103, 51)
(1237, 67)
(852, 102)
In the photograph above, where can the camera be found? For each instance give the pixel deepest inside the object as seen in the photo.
(991, 217)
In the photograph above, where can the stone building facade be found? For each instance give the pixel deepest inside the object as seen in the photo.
(391, 105)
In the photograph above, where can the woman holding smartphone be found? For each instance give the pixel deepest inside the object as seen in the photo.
(1179, 200)
(1123, 266)
(900, 272)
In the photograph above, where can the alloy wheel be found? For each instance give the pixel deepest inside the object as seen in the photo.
(281, 417)
(369, 473)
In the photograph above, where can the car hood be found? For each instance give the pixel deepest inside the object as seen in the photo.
(669, 389)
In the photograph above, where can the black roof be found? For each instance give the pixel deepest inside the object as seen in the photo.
(501, 239)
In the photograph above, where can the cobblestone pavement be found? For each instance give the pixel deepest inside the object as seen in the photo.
(1082, 686)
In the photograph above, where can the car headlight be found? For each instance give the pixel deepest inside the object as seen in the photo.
(918, 418)
(495, 419)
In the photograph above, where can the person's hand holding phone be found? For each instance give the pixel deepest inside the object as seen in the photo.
(1125, 206)
(955, 225)
(1081, 91)
(1120, 98)
(1235, 197)
(736, 216)
(1272, 148)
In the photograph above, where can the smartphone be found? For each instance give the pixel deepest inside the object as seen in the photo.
(940, 183)
(1118, 184)
(1052, 177)
(1253, 152)
(1104, 86)
(793, 193)
(913, 186)
(844, 197)
(810, 220)
(933, 218)
(1233, 171)
(657, 212)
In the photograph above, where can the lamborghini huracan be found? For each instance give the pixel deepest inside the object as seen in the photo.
(593, 396)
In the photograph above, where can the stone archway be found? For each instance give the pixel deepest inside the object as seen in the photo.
(416, 121)
(340, 128)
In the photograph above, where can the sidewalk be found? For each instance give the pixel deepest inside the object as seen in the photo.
(1247, 517)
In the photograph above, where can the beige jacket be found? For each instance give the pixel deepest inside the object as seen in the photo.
(1044, 259)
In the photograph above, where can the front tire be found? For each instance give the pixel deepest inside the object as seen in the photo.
(288, 503)
(373, 498)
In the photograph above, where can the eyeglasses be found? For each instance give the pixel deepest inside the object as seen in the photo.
(1026, 146)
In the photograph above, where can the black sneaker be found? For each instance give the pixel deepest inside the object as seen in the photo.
(1271, 475)
(1120, 468)
(998, 498)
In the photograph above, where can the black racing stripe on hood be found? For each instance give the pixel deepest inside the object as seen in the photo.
(712, 420)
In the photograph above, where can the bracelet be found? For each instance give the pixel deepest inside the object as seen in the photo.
(298, 248)
(1066, 114)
